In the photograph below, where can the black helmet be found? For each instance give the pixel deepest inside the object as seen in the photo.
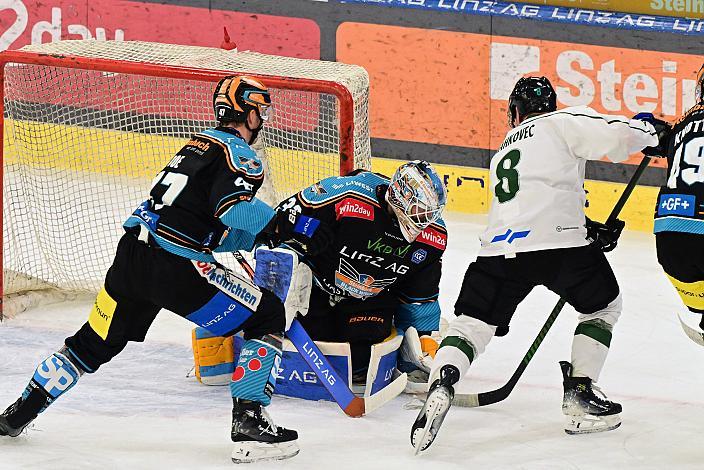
(699, 92)
(235, 96)
(531, 95)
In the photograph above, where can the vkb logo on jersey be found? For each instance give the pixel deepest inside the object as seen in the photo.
(418, 256)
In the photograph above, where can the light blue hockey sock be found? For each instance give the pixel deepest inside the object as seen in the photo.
(257, 367)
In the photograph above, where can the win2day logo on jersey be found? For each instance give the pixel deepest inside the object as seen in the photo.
(349, 207)
(432, 237)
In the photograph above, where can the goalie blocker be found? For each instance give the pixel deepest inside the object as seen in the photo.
(279, 271)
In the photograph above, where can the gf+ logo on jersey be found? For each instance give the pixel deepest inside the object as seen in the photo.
(677, 204)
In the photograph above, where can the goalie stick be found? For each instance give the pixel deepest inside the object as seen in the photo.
(351, 404)
(501, 393)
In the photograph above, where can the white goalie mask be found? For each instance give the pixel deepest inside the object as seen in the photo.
(417, 197)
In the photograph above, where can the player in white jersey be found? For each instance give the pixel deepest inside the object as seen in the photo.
(538, 235)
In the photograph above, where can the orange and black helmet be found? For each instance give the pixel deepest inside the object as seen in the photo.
(235, 96)
(699, 93)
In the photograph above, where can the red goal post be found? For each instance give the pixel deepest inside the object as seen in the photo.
(87, 124)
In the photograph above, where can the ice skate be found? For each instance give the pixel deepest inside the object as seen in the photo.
(256, 437)
(9, 415)
(436, 406)
(585, 411)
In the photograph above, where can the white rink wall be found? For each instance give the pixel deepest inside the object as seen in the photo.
(141, 412)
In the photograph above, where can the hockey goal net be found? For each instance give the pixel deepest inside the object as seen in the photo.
(87, 125)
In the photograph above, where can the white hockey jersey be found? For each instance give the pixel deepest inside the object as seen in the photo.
(537, 177)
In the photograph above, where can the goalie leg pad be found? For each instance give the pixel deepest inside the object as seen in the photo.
(213, 356)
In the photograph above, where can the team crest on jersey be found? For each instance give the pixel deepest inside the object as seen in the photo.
(350, 207)
(359, 285)
(434, 238)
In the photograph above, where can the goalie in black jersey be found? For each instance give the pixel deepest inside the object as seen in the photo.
(203, 201)
(380, 271)
(679, 215)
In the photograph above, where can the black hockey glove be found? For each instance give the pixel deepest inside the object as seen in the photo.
(312, 235)
(663, 129)
(604, 236)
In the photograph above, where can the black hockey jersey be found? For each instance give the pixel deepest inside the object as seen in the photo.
(203, 200)
(680, 206)
(369, 254)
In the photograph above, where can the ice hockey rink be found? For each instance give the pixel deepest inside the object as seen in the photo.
(142, 412)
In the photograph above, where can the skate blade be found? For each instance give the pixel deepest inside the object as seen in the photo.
(253, 451)
(434, 411)
(589, 424)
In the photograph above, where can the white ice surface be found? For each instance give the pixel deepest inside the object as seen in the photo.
(141, 412)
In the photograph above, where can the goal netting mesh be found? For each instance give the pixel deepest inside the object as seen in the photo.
(82, 142)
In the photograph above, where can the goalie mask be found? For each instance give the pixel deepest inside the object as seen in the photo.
(531, 95)
(235, 96)
(699, 92)
(416, 196)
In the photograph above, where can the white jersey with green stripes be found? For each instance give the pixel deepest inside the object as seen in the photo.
(537, 177)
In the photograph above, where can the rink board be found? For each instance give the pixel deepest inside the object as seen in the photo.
(141, 156)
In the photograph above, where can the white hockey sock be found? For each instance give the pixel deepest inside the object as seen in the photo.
(592, 339)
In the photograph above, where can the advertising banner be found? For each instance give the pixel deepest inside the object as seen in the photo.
(452, 88)
(678, 8)
(569, 15)
(25, 22)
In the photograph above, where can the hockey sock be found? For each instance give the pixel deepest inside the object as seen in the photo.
(590, 347)
(257, 367)
(52, 378)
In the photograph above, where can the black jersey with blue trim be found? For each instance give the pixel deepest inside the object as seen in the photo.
(204, 197)
(680, 204)
(369, 254)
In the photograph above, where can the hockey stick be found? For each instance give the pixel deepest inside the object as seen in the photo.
(694, 335)
(501, 393)
(351, 404)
